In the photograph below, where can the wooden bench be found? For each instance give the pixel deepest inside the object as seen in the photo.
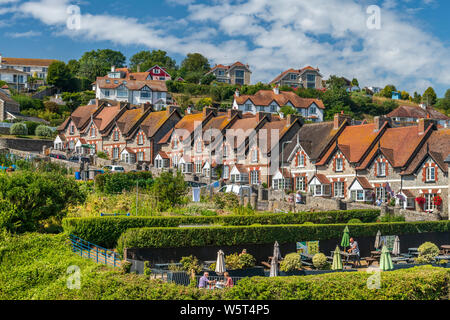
(370, 260)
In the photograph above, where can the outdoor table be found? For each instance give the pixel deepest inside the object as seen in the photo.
(400, 259)
(439, 258)
(413, 251)
(375, 254)
(446, 248)
(347, 256)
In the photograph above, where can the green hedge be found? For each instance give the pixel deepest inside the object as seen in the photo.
(221, 236)
(419, 283)
(105, 231)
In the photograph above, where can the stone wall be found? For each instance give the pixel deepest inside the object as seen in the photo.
(30, 145)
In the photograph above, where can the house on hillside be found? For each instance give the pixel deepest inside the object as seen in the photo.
(237, 73)
(15, 78)
(307, 77)
(272, 101)
(159, 73)
(31, 67)
(136, 88)
(410, 115)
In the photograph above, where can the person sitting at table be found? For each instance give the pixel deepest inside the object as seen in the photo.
(205, 281)
(228, 282)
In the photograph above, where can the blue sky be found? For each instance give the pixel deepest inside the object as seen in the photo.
(411, 49)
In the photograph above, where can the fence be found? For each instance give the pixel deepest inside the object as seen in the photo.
(96, 253)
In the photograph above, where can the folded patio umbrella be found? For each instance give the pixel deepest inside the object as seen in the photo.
(396, 250)
(274, 267)
(337, 261)
(386, 260)
(346, 238)
(276, 251)
(378, 240)
(220, 263)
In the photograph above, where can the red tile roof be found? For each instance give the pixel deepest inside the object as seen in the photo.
(296, 71)
(266, 97)
(27, 62)
(417, 113)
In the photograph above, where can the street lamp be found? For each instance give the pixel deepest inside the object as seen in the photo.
(281, 166)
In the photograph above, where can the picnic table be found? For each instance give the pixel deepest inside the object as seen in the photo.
(400, 259)
(166, 265)
(446, 248)
(445, 257)
(413, 251)
(347, 256)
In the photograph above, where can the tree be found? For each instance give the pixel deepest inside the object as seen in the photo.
(148, 59)
(405, 95)
(355, 82)
(59, 75)
(387, 91)
(336, 82)
(287, 110)
(444, 103)
(170, 190)
(208, 79)
(194, 67)
(429, 97)
(417, 97)
(74, 66)
(44, 131)
(95, 64)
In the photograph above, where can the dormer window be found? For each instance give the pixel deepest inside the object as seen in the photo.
(108, 81)
(141, 139)
(199, 147)
(301, 160)
(381, 169)
(156, 71)
(116, 81)
(72, 129)
(92, 132)
(116, 135)
(255, 156)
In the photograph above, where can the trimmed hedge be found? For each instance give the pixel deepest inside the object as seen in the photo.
(105, 231)
(221, 236)
(418, 283)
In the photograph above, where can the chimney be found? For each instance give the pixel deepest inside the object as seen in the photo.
(233, 112)
(261, 115)
(188, 110)
(207, 111)
(380, 121)
(131, 77)
(276, 90)
(291, 119)
(139, 68)
(424, 124)
(171, 109)
(113, 68)
(147, 106)
(340, 118)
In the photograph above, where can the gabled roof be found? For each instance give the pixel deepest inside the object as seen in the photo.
(186, 123)
(236, 64)
(437, 146)
(7, 98)
(134, 85)
(295, 71)
(397, 145)
(417, 112)
(154, 121)
(354, 142)
(363, 182)
(266, 97)
(129, 120)
(321, 177)
(12, 71)
(313, 138)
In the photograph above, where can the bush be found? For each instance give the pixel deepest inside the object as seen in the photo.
(354, 221)
(105, 231)
(239, 261)
(170, 190)
(18, 129)
(31, 126)
(29, 198)
(226, 200)
(230, 236)
(44, 131)
(112, 183)
(320, 261)
(126, 266)
(291, 262)
(427, 253)
(102, 155)
(191, 264)
(392, 218)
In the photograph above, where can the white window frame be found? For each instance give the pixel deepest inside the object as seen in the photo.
(198, 166)
(381, 169)
(301, 160)
(339, 189)
(300, 183)
(254, 177)
(140, 139)
(255, 156)
(226, 172)
(429, 203)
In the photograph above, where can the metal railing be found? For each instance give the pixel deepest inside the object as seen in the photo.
(96, 253)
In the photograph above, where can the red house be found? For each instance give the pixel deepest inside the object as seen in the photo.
(159, 73)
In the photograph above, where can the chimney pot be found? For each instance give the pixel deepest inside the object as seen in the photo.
(380, 121)
(339, 119)
(113, 68)
(424, 124)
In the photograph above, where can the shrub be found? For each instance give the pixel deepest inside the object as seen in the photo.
(112, 183)
(220, 236)
(28, 198)
(126, 266)
(18, 129)
(191, 264)
(44, 131)
(320, 261)
(226, 200)
(105, 231)
(147, 270)
(239, 261)
(31, 126)
(170, 190)
(291, 262)
(354, 221)
(102, 155)
(427, 253)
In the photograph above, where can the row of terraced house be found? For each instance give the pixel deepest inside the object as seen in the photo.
(341, 159)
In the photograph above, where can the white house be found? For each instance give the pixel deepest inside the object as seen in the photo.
(38, 67)
(273, 100)
(135, 88)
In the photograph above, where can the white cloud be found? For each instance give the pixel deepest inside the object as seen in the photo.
(276, 35)
(28, 34)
